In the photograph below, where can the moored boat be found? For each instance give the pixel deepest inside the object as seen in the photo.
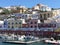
(52, 41)
(20, 39)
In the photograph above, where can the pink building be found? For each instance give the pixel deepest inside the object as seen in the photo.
(32, 23)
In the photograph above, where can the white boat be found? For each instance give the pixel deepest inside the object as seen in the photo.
(52, 41)
(22, 39)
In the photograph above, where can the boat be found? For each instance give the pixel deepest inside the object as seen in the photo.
(52, 41)
(20, 39)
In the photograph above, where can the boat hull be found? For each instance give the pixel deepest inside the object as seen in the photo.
(52, 42)
(14, 42)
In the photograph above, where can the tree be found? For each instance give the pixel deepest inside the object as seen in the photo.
(1, 8)
(18, 8)
(6, 11)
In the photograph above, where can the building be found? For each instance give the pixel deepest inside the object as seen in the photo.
(13, 23)
(23, 9)
(44, 12)
(23, 16)
(47, 26)
(42, 7)
(35, 16)
(45, 15)
(56, 12)
(1, 10)
(16, 9)
(25, 25)
(1, 24)
(11, 7)
(32, 23)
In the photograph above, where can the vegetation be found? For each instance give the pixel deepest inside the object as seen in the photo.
(1, 8)
(58, 30)
(6, 11)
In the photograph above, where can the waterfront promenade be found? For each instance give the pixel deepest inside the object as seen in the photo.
(33, 33)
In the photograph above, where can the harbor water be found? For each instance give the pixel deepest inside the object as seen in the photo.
(37, 43)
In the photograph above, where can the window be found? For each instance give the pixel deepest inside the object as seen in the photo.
(40, 15)
(23, 16)
(16, 26)
(9, 23)
(35, 22)
(31, 22)
(19, 22)
(45, 16)
(8, 26)
(12, 23)
(48, 15)
(12, 27)
(31, 26)
(19, 26)
(16, 23)
(35, 26)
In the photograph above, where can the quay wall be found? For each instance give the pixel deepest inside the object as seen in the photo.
(34, 33)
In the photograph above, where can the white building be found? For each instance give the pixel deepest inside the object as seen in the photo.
(42, 7)
(1, 10)
(1, 24)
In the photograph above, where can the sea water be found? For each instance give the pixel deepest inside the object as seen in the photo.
(37, 43)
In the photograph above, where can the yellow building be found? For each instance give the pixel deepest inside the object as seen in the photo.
(22, 9)
(14, 23)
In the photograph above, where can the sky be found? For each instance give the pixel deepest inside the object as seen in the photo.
(30, 3)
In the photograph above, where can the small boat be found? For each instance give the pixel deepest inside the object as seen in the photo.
(52, 41)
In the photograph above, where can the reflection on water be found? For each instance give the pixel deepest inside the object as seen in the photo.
(37, 43)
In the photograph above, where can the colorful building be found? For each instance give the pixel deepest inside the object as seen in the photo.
(45, 15)
(23, 9)
(14, 23)
(32, 23)
(47, 26)
(42, 7)
(56, 12)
